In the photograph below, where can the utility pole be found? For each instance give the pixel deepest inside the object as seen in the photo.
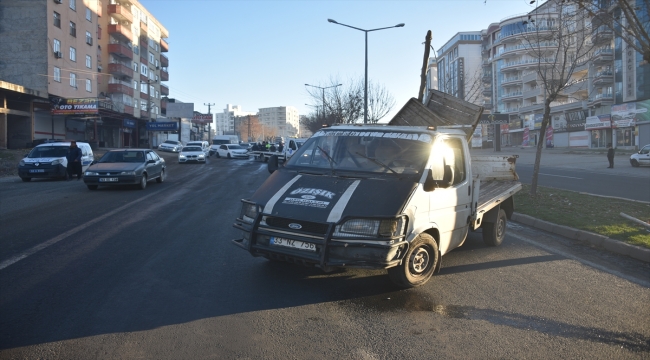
(210, 124)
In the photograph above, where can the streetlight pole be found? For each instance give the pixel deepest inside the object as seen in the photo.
(365, 93)
(323, 88)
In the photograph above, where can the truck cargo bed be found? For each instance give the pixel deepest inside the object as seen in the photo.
(493, 192)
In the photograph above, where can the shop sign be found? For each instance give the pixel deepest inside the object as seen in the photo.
(494, 119)
(162, 126)
(526, 137)
(598, 122)
(559, 123)
(538, 121)
(202, 119)
(575, 120)
(62, 106)
(128, 123)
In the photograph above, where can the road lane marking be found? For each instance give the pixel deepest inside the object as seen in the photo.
(570, 177)
(68, 233)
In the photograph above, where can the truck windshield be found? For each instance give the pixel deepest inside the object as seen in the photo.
(364, 151)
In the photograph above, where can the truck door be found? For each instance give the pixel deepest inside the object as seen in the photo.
(450, 207)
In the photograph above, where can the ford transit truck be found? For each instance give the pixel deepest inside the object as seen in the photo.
(396, 197)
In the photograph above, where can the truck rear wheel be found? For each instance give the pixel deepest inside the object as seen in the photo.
(495, 232)
(419, 263)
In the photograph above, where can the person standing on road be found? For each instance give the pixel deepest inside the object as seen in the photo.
(610, 156)
(74, 160)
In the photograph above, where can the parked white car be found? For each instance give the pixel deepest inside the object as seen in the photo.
(171, 146)
(204, 145)
(192, 153)
(642, 157)
(231, 151)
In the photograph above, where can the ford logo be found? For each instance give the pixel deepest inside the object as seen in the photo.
(295, 226)
(308, 197)
(36, 164)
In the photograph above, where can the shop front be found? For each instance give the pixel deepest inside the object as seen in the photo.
(600, 131)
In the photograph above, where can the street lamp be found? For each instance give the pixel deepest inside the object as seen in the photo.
(323, 88)
(365, 93)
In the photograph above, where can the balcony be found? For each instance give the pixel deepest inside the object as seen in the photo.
(603, 77)
(164, 47)
(120, 12)
(604, 55)
(164, 90)
(487, 91)
(144, 78)
(120, 88)
(511, 96)
(531, 106)
(143, 27)
(128, 110)
(120, 32)
(580, 85)
(164, 61)
(163, 105)
(120, 70)
(144, 114)
(487, 77)
(602, 99)
(601, 34)
(120, 51)
(164, 75)
(566, 105)
(143, 60)
(532, 93)
(510, 80)
(144, 96)
(144, 42)
(529, 76)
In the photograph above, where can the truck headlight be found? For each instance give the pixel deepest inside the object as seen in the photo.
(249, 212)
(387, 228)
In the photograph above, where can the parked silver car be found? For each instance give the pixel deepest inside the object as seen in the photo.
(126, 167)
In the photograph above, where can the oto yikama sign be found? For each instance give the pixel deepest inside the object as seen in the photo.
(74, 106)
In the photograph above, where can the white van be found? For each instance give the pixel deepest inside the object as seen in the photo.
(48, 160)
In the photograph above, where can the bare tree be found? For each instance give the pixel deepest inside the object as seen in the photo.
(472, 86)
(628, 19)
(248, 127)
(344, 104)
(558, 41)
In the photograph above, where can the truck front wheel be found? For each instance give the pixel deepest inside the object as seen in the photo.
(419, 263)
(495, 232)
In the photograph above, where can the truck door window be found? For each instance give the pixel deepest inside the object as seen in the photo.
(454, 157)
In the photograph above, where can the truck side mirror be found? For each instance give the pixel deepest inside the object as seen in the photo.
(273, 163)
(431, 184)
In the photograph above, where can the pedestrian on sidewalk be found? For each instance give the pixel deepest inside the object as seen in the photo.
(74, 160)
(610, 156)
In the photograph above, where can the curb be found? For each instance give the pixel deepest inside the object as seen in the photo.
(597, 240)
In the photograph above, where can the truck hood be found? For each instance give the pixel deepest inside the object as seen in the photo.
(322, 198)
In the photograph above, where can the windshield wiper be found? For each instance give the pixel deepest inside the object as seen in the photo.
(329, 158)
(377, 162)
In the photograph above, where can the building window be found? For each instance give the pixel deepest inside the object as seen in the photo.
(56, 45)
(89, 38)
(157, 63)
(57, 19)
(151, 74)
(73, 29)
(136, 49)
(151, 58)
(156, 78)
(143, 105)
(73, 80)
(99, 32)
(151, 90)
(73, 5)
(156, 47)
(143, 88)
(73, 54)
(157, 95)
(135, 85)
(89, 86)
(57, 74)
(135, 67)
(89, 15)
(89, 62)
(143, 69)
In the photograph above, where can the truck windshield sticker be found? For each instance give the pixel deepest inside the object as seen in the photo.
(426, 138)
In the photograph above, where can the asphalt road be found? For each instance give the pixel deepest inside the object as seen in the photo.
(125, 273)
(629, 186)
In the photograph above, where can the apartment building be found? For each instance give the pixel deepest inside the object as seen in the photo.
(605, 99)
(225, 121)
(99, 65)
(283, 119)
(458, 66)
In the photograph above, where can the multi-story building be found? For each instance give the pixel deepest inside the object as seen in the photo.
(459, 67)
(225, 121)
(284, 119)
(100, 64)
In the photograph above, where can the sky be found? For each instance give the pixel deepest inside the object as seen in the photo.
(260, 54)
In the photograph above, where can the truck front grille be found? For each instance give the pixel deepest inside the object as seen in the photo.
(306, 226)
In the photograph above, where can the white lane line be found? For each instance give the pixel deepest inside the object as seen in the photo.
(570, 177)
(68, 233)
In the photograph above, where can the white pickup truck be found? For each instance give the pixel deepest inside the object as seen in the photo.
(285, 154)
(379, 197)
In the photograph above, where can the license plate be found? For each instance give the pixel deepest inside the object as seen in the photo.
(36, 170)
(107, 179)
(295, 244)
